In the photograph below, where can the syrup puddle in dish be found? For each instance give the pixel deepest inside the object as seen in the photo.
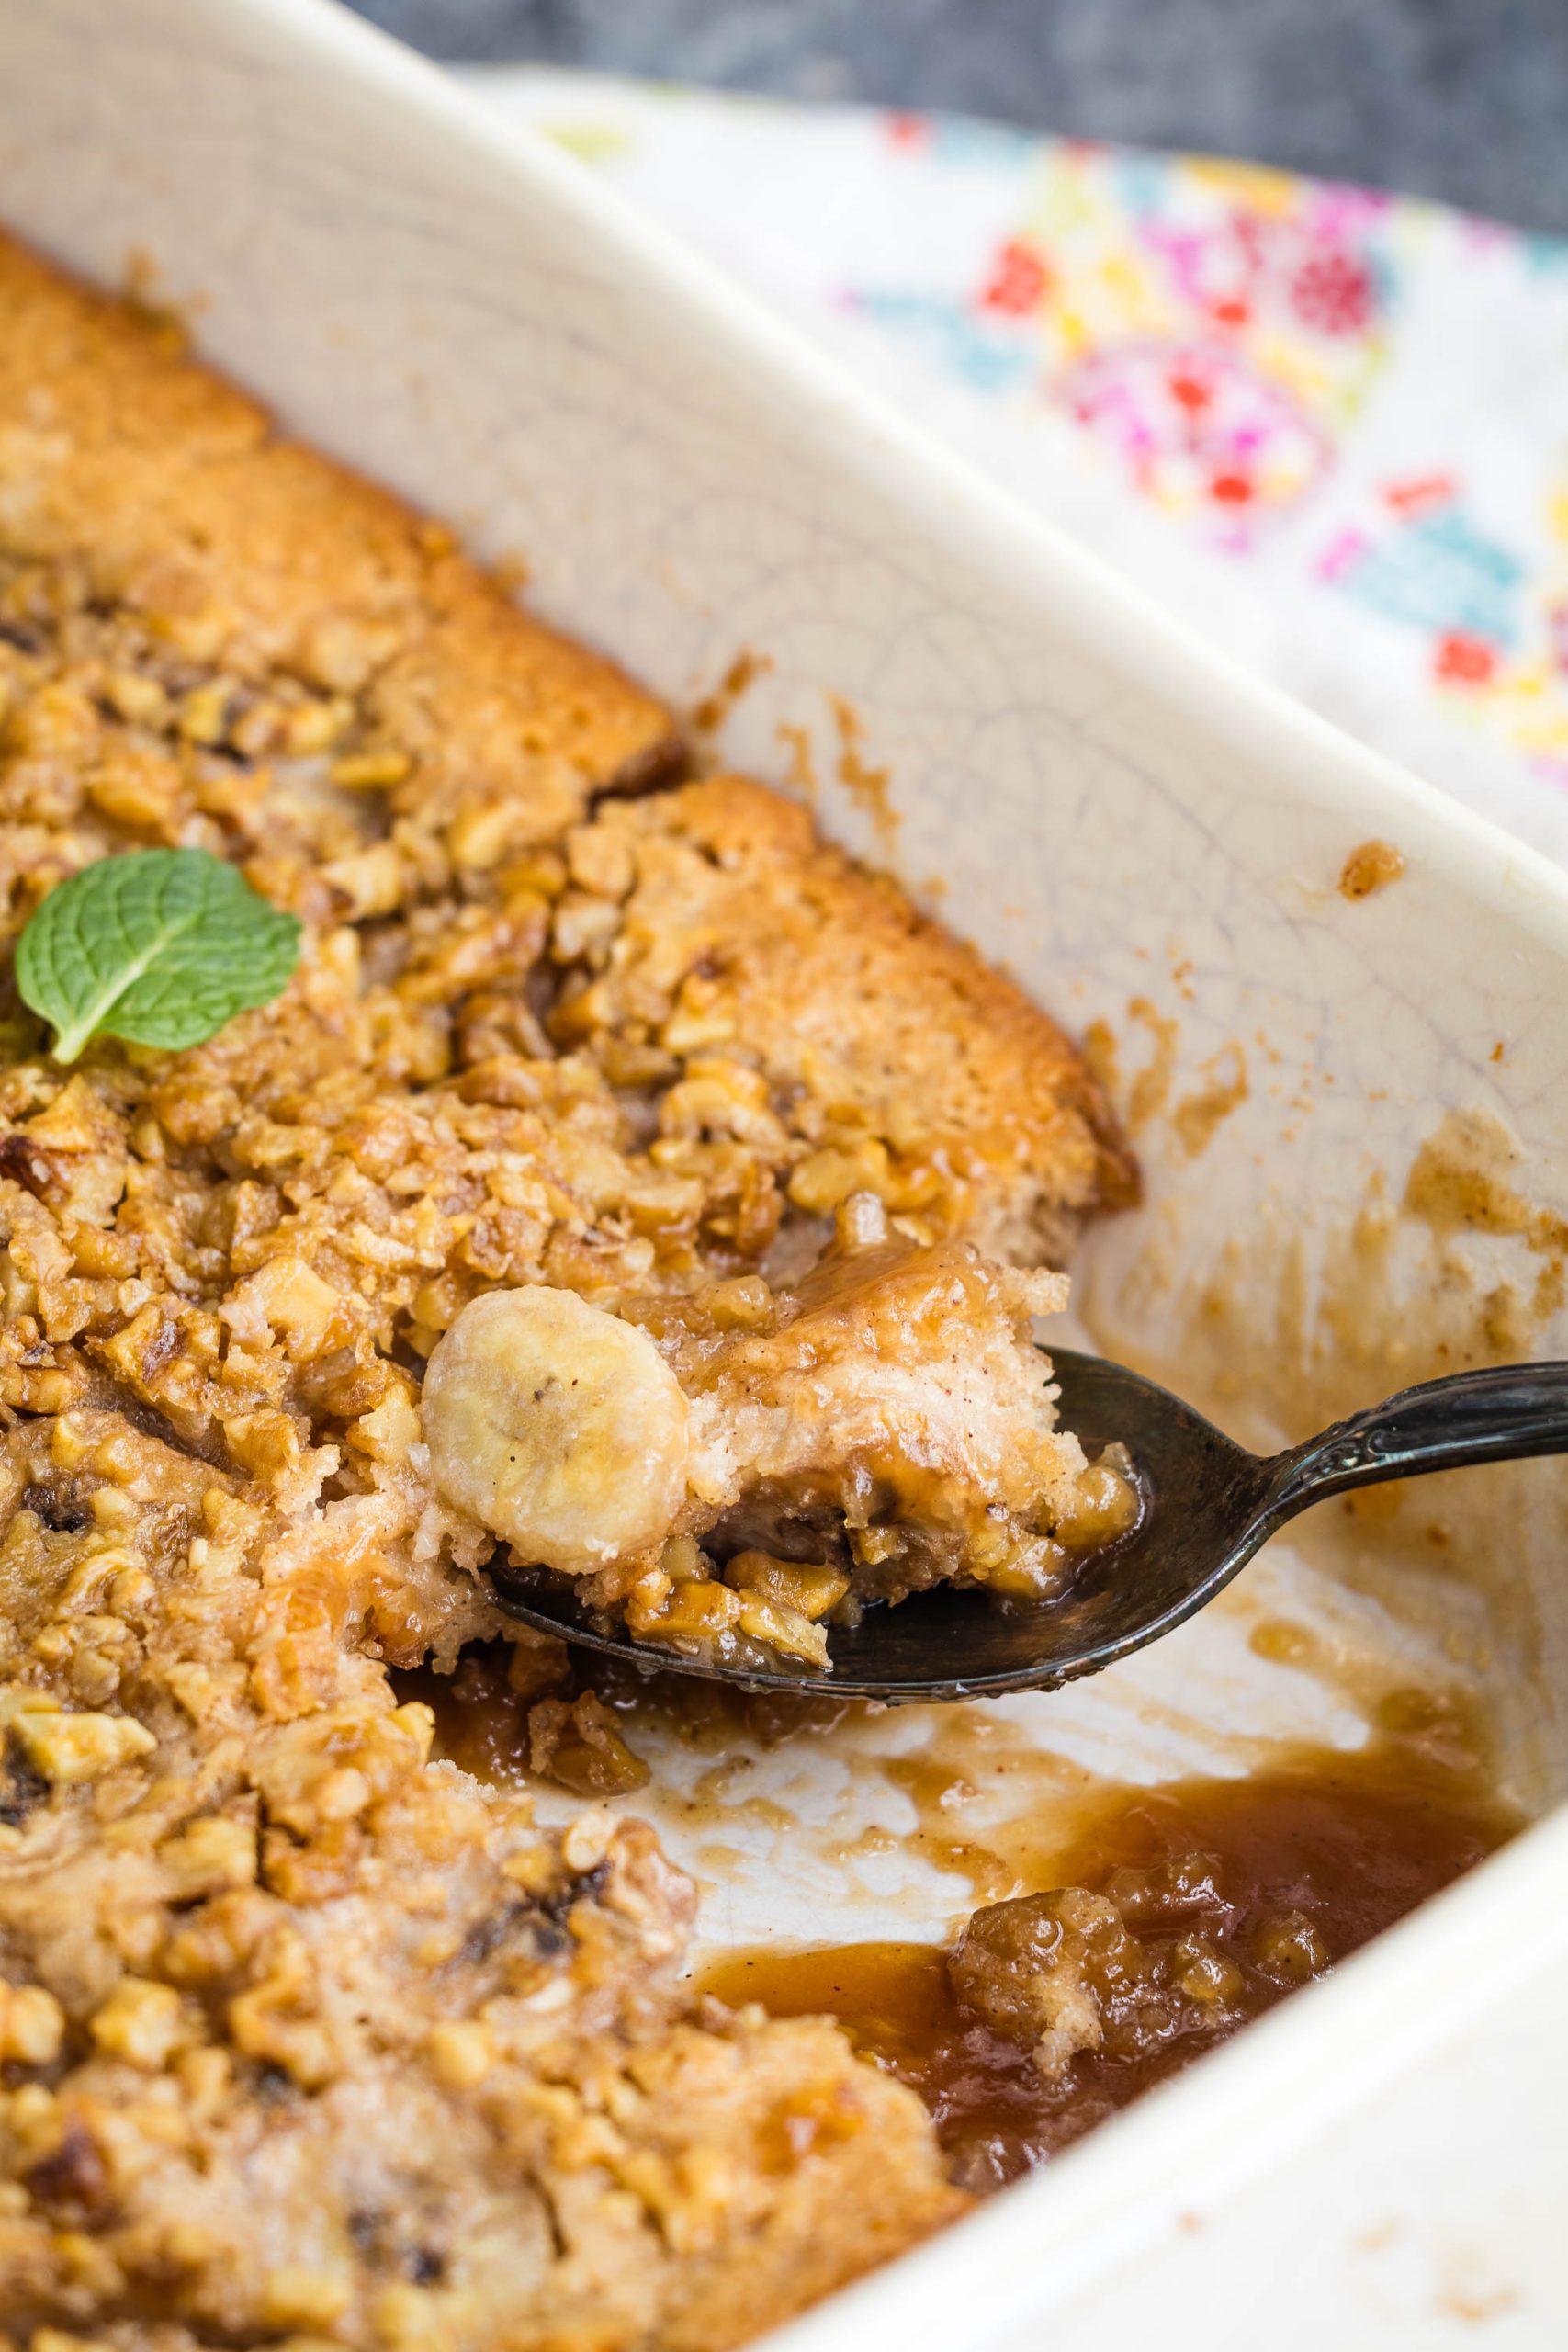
(1349, 1838)
(1349, 1842)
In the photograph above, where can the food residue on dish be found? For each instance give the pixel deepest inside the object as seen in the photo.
(1370, 867)
(1150, 1086)
(709, 715)
(1184, 1912)
(869, 787)
(1198, 1115)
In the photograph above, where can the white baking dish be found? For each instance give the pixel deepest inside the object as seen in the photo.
(1127, 822)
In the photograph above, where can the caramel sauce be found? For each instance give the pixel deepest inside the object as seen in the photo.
(1332, 1845)
(709, 715)
(482, 1719)
(1352, 1840)
(712, 1717)
(481, 1723)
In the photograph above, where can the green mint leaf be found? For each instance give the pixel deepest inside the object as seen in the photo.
(161, 946)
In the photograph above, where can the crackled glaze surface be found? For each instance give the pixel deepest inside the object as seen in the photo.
(1351, 1112)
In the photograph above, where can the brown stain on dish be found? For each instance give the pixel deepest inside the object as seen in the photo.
(1150, 1088)
(942, 1790)
(936, 1785)
(990, 1877)
(1284, 1643)
(1099, 1051)
(718, 1862)
(1198, 1115)
(800, 776)
(1181, 979)
(991, 1804)
(1477, 2304)
(1370, 867)
(709, 715)
(1439, 1732)
(869, 787)
(1352, 1841)
(1453, 1262)
(724, 1784)
(759, 1812)
(1399, 1295)
(1461, 1180)
(170, 319)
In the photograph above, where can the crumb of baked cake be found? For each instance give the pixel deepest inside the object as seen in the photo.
(304, 2036)
(303, 2033)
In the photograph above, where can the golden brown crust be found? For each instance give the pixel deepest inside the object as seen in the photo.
(249, 556)
(895, 1060)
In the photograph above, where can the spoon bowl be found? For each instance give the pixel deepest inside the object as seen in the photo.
(1208, 1507)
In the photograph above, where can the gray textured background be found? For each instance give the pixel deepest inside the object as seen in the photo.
(1465, 99)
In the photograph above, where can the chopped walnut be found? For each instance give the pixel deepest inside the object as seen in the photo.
(577, 1744)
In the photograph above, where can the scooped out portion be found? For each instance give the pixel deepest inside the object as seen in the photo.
(732, 1472)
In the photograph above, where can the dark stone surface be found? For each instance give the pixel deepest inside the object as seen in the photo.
(1463, 99)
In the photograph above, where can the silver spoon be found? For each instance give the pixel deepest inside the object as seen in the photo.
(1208, 1506)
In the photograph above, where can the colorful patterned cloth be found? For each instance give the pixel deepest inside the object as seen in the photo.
(1328, 427)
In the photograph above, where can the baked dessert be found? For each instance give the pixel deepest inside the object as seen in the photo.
(305, 2037)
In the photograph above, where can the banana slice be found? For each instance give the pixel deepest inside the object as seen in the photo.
(559, 1425)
